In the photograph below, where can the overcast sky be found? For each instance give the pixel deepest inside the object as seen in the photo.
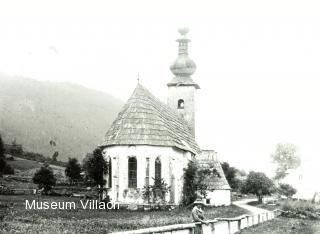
(258, 62)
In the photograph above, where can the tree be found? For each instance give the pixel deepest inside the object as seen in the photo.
(5, 168)
(95, 167)
(231, 175)
(1, 148)
(189, 183)
(45, 179)
(73, 170)
(285, 157)
(195, 181)
(287, 190)
(55, 156)
(259, 184)
(3, 163)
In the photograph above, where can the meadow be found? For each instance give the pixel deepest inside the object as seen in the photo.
(285, 226)
(20, 220)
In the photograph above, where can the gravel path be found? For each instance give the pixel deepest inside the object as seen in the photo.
(254, 210)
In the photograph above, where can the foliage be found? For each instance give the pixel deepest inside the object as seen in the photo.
(1, 148)
(8, 170)
(45, 179)
(194, 182)
(190, 183)
(259, 184)
(5, 168)
(287, 190)
(200, 178)
(3, 165)
(2, 158)
(95, 167)
(285, 157)
(301, 209)
(231, 175)
(55, 156)
(157, 192)
(73, 170)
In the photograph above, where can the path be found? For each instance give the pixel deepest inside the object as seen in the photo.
(243, 204)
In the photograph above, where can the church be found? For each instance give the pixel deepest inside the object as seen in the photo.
(150, 139)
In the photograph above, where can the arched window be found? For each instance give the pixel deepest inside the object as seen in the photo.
(157, 169)
(180, 104)
(109, 165)
(132, 172)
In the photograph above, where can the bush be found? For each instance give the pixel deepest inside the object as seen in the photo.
(8, 170)
(44, 178)
(301, 209)
(156, 192)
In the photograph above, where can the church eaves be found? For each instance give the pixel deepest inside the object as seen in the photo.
(145, 120)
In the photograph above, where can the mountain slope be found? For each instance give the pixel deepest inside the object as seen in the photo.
(36, 112)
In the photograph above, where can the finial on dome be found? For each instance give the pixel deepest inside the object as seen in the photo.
(183, 31)
(183, 66)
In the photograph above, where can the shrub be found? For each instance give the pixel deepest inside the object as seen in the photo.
(8, 170)
(157, 192)
(44, 178)
(301, 209)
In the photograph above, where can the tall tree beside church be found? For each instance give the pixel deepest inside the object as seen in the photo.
(190, 183)
(96, 166)
(285, 157)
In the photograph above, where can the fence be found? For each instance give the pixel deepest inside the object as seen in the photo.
(216, 226)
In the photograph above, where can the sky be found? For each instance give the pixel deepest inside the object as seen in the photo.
(257, 63)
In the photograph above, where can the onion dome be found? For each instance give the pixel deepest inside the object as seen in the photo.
(183, 66)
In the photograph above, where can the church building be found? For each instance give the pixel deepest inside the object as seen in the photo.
(150, 139)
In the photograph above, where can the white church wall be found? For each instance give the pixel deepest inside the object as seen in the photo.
(219, 198)
(172, 163)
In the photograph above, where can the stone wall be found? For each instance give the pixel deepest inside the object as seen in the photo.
(216, 226)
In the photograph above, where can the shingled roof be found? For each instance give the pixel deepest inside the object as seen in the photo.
(208, 160)
(145, 120)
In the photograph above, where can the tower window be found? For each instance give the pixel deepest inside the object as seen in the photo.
(157, 169)
(132, 172)
(181, 104)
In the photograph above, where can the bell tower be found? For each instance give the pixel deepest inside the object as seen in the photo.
(181, 89)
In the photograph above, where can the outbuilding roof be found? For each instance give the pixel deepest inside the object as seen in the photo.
(145, 120)
(216, 180)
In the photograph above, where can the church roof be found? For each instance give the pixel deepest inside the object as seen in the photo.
(145, 120)
(208, 160)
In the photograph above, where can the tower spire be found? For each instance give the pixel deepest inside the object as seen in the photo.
(183, 67)
(181, 89)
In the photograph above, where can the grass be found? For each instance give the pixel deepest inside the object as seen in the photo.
(97, 221)
(285, 226)
(23, 164)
